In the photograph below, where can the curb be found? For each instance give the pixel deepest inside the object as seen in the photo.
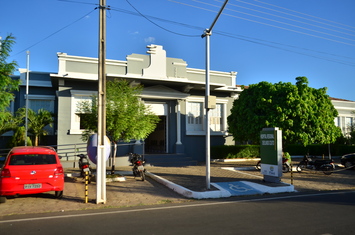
(187, 192)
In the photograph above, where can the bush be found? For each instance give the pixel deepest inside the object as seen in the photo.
(235, 151)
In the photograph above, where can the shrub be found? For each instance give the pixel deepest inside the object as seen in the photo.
(235, 151)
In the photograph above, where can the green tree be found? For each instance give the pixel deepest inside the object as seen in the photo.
(7, 122)
(36, 122)
(304, 114)
(7, 84)
(18, 138)
(126, 115)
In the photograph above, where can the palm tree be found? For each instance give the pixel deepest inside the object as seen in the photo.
(37, 122)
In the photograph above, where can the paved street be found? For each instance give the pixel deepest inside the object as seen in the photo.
(310, 213)
(133, 192)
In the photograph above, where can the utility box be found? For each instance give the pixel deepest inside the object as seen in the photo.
(271, 154)
(211, 103)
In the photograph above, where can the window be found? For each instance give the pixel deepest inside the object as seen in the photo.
(78, 96)
(216, 118)
(195, 116)
(36, 102)
(195, 121)
(348, 125)
(46, 102)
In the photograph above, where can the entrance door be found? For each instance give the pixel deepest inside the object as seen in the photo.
(156, 141)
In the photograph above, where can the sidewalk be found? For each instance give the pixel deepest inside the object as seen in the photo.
(224, 182)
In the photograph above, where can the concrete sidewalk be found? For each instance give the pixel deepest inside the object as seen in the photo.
(218, 189)
(227, 189)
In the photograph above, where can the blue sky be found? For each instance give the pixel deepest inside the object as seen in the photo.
(262, 40)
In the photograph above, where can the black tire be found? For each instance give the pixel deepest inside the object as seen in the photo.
(327, 169)
(258, 166)
(285, 168)
(348, 165)
(142, 175)
(2, 199)
(301, 167)
(58, 194)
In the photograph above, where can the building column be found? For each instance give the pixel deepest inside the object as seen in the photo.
(179, 148)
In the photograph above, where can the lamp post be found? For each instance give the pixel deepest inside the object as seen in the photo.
(27, 84)
(206, 34)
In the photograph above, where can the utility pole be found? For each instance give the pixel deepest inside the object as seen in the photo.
(101, 126)
(27, 87)
(206, 34)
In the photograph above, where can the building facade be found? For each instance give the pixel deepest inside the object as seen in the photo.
(174, 92)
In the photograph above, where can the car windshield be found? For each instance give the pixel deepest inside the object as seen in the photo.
(32, 159)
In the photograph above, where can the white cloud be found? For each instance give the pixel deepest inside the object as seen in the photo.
(150, 39)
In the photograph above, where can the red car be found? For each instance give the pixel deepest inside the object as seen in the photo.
(31, 170)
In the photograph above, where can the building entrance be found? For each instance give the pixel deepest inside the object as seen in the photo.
(156, 141)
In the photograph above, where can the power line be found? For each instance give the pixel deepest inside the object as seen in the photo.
(79, 2)
(271, 25)
(286, 18)
(305, 14)
(262, 42)
(170, 31)
(35, 44)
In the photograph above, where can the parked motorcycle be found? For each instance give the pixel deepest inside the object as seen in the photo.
(138, 165)
(84, 166)
(286, 165)
(325, 165)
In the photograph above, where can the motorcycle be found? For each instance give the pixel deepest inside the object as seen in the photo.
(138, 165)
(84, 166)
(325, 165)
(286, 166)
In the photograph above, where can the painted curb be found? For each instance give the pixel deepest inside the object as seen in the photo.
(187, 192)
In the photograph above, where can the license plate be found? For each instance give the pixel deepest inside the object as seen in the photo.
(32, 186)
(86, 169)
(141, 168)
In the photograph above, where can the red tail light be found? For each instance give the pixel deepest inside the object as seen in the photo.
(58, 171)
(138, 162)
(5, 173)
(85, 166)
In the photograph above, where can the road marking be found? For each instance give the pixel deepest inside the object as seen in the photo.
(169, 207)
(240, 172)
(238, 188)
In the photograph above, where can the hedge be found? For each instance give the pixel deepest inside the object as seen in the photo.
(252, 151)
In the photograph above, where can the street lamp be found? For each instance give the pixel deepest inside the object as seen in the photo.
(206, 34)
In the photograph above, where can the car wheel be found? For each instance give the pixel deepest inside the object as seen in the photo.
(58, 194)
(348, 165)
(2, 199)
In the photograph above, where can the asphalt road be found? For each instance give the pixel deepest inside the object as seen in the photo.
(312, 213)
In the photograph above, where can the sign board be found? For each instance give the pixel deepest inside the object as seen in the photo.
(271, 154)
(92, 148)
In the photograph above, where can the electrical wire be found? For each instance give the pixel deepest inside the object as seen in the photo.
(52, 34)
(262, 42)
(286, 18)
(271, 25)
(305, 14)
(170, 31)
